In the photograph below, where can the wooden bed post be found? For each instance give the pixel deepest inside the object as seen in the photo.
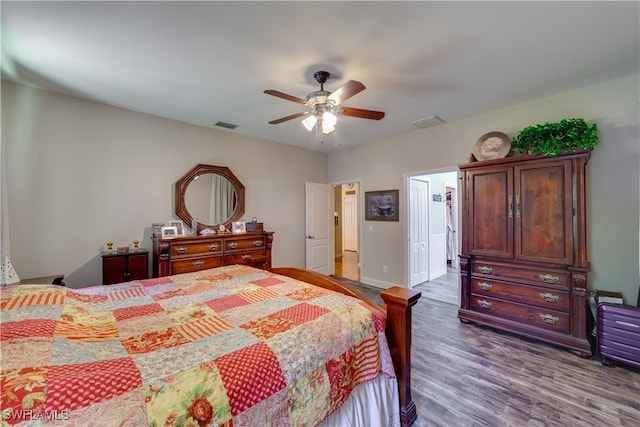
(399, 302)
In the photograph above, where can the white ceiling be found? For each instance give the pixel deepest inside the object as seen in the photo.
(204, 62)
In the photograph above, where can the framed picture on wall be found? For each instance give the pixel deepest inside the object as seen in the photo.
(381, 205)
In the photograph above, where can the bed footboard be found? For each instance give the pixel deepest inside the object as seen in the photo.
(398, 304)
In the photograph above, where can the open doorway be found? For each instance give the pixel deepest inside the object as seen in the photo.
(432, 224)
(347, 234)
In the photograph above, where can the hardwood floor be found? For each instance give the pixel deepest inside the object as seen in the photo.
(348, 265)
(469, 375)
(444, 288)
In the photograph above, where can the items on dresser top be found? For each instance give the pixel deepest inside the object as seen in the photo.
(523, 262)
(194, 253)
(120, 267)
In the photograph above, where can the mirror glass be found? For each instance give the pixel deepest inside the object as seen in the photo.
(211, 198)
(212, 194)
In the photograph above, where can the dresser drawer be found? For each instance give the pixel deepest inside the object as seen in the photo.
(554, 278)
(534, 316)
(542, 297)
(244, 243)
(253, 258)
(191, 249)
(195, 264)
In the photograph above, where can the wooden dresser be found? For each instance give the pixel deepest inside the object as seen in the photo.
(523, 262)
(187, 254)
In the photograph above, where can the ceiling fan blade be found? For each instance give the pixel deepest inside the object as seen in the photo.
(358, 112)
(291, 117)
(285, 96)
(346, 91)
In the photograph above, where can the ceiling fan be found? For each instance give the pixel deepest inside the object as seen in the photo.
(325, 105)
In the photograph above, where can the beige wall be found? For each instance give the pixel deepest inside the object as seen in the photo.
(613, 177)
(80, 173)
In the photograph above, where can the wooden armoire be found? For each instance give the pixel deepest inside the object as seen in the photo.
(523, 261)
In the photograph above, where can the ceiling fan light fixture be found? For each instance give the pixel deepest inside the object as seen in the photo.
(322, 116)
(310, 122)
(328, 122)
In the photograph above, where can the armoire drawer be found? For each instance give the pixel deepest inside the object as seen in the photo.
(554, 278)
(542, 297)
(191, 249)
(242, 244)
(534, 316)
(195, 264)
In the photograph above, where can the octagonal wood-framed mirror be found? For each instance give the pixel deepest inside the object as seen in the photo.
(211, 194)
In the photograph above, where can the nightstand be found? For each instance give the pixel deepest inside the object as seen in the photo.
(124, 267)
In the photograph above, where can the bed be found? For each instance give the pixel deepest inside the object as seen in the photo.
(233, 345)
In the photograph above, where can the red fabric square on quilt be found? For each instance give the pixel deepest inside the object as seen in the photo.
(302, 313)
(226, 303)
(76, 386)
(27, 329)
(269, 326)
(20, 386)
(269, 281)
(154, 340)
(136, 311)
(250, 375)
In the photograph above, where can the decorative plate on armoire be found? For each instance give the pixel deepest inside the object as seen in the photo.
(491, 146)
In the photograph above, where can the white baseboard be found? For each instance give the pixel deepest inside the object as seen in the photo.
(377, 283)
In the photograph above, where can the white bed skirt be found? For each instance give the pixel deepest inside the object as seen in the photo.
(375, 403)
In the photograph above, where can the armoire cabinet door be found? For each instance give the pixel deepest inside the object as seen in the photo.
(490, 202)
(544, 212)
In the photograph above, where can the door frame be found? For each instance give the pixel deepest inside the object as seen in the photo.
(407, 178)
(344, 221)
(360, 204)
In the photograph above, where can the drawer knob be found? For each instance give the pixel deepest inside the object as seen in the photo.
(213, 247)
(198, 264)
(547, 297)
(257, 243)
(548, 278)
(484, 269)
(484, 304)
(233, 245)
(485, 286)
(547, 318)
(181, 250)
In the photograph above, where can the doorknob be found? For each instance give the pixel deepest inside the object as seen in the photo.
(310, 237)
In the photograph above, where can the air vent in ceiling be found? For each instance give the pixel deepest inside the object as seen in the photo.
(427, 122)
(226, 125)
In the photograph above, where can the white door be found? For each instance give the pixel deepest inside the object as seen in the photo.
(319, 228)
(350, 222)
(418, 231)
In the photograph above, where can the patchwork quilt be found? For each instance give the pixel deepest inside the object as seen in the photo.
(228, 346)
